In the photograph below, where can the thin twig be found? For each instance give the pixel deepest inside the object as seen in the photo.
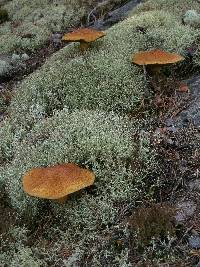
(145, 72)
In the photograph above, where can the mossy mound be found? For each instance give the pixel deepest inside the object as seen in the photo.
(99, 140)
(102, 78)
(178, 8)
(39, 18)
(93, 138)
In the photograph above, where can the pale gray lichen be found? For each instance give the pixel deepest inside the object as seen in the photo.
(5, 67)
(192, 18)
(70, 110)
(93, 138)
(96, 79)
(38, 18)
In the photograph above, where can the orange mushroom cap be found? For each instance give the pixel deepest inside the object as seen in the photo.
(57, 181)
(84, 34)
(156, 56)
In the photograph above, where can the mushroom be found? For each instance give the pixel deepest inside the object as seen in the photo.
(84, 35)
(57, 182)
(155, 59)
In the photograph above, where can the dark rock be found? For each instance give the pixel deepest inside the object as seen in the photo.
(183, 163)
(56, 39)
(5, 57)
(169, 122)
(185, 209)
(99, 24)
(195, 185)
(172, 129)
(114, 16)
(191, 115)
(191, 51)
(120, 13)
(5, 66)
(170, 142)
(194, 241)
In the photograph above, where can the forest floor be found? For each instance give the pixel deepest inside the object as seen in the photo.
(174, 132)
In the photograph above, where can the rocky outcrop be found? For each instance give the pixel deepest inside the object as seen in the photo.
(114, 16)
(191, 114)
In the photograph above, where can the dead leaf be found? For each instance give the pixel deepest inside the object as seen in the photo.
(195, 253)
(158, 101)
(183, 88)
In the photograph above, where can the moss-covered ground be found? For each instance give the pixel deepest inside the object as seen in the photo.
(38, 19)
(98, 110)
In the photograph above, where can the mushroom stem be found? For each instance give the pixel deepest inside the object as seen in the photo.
(145, 72)
(155, 69)
(84, 46)
(62, 199)
(155, 72)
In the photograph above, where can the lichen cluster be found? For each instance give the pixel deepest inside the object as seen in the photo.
(5, 67)
(76, 108)
(102, 78)
(38, 18)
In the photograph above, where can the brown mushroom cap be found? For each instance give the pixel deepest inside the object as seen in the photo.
(156, 57)
(83, 34)
(57, 181)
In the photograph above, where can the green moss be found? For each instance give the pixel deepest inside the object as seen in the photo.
(3, 15)
(15, 253)
(7, 141)
(93, 138)
(101, 141)
(178, 8)
(40, 18)
(102, 78)
(71, 110)
(156, 221)
(5, 67)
